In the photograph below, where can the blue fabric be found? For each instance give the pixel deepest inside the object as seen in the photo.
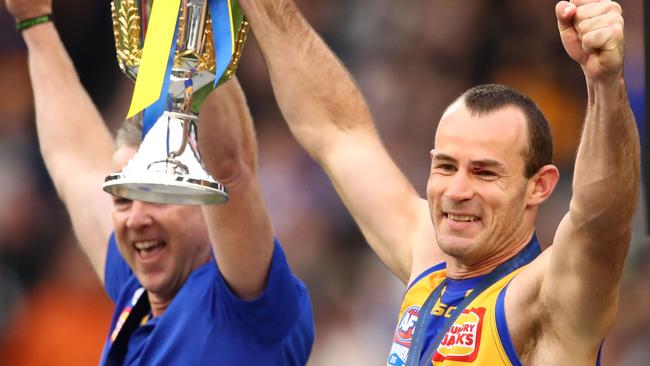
(456, 290)
(207, 324)
(502, 328)
(222, 30)
(437, 267)
(138, 341)
(454, 294)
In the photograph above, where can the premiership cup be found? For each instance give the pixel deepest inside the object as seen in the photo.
(167, 167)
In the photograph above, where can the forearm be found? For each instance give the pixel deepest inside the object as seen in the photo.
(315, 93)
(242, 238)
(328, 115)
(607, 167)
(71, 133)
(240, 230)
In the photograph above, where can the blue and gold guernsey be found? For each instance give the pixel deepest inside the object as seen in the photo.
(479, 336)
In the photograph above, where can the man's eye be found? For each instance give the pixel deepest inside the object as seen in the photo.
(120, 201)
(485, 173)
(446, 167)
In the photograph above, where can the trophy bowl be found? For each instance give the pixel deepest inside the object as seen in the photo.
(167, 167)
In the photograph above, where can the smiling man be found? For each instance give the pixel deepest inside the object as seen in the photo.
(191, 285)
(480, 291)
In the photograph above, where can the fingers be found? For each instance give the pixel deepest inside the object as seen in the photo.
(603, 39)
(583, 2)
(565, 11)
(602, 21)
(599, 26)
(593, 10)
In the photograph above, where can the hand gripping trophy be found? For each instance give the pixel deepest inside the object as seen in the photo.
(178, 51)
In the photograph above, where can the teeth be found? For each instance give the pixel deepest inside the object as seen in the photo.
(146, 245)
(462, 218)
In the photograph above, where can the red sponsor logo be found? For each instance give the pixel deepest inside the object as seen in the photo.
(463, 339)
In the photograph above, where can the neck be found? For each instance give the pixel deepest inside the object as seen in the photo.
(158, 304)
(458, 270)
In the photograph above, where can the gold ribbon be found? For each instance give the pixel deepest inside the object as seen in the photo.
(155, 54)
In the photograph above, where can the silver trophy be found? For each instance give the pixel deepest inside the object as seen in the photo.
(167, 167)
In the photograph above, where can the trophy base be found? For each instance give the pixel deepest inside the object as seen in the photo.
(166, 189)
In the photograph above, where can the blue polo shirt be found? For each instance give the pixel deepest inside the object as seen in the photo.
(206, 324)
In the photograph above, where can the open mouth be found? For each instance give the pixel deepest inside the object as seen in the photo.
(461, 218)
(148, 248)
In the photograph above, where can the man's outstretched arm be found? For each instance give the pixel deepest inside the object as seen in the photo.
(76, 146)
(240, 230)
(328, 115)
(580, 275)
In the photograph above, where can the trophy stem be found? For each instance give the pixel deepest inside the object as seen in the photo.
(155, 174)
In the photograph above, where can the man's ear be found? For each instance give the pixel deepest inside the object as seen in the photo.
(542, 184)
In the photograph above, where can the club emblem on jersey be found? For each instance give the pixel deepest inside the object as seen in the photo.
(462, 341)
(406, 326)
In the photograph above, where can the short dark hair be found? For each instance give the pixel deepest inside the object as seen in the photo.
(484, 99)
(130, 132)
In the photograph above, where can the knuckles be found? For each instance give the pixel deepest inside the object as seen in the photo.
(594, 22)
(610, 20)
(593, 10)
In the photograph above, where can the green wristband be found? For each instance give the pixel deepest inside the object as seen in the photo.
(30, 22)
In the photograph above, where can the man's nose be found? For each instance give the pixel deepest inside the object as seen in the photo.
(139, 215)
(460, 188)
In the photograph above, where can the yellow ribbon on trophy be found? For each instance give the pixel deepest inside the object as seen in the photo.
(155, 55)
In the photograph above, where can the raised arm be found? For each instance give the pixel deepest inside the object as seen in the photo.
(75, 144)
(580, 284)
(240, 230)
(329, 117)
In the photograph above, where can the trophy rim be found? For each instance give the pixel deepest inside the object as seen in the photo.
(164, 189)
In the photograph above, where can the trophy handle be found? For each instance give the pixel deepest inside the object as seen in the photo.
(186, 132)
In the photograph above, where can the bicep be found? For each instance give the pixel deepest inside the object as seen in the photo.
(393, 218)
(582, 280)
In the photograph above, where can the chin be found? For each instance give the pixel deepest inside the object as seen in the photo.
(456, 246)
(152, 284)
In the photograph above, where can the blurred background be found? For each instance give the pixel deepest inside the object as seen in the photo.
(411, 59)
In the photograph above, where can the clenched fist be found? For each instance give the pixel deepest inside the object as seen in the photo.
(592, 35)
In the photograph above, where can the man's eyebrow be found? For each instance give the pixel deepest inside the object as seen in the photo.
(483, 163)
(489, 163)
(444, 157)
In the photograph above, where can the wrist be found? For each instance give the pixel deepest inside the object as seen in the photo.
(612, 81)
(29, 22)
(605, 90)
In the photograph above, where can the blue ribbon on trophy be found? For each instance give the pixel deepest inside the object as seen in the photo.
(181, 59)
(158, 39)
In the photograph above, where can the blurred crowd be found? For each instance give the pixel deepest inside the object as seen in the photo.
(410, 59)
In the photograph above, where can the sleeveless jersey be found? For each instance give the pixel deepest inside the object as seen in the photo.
(479, 336)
